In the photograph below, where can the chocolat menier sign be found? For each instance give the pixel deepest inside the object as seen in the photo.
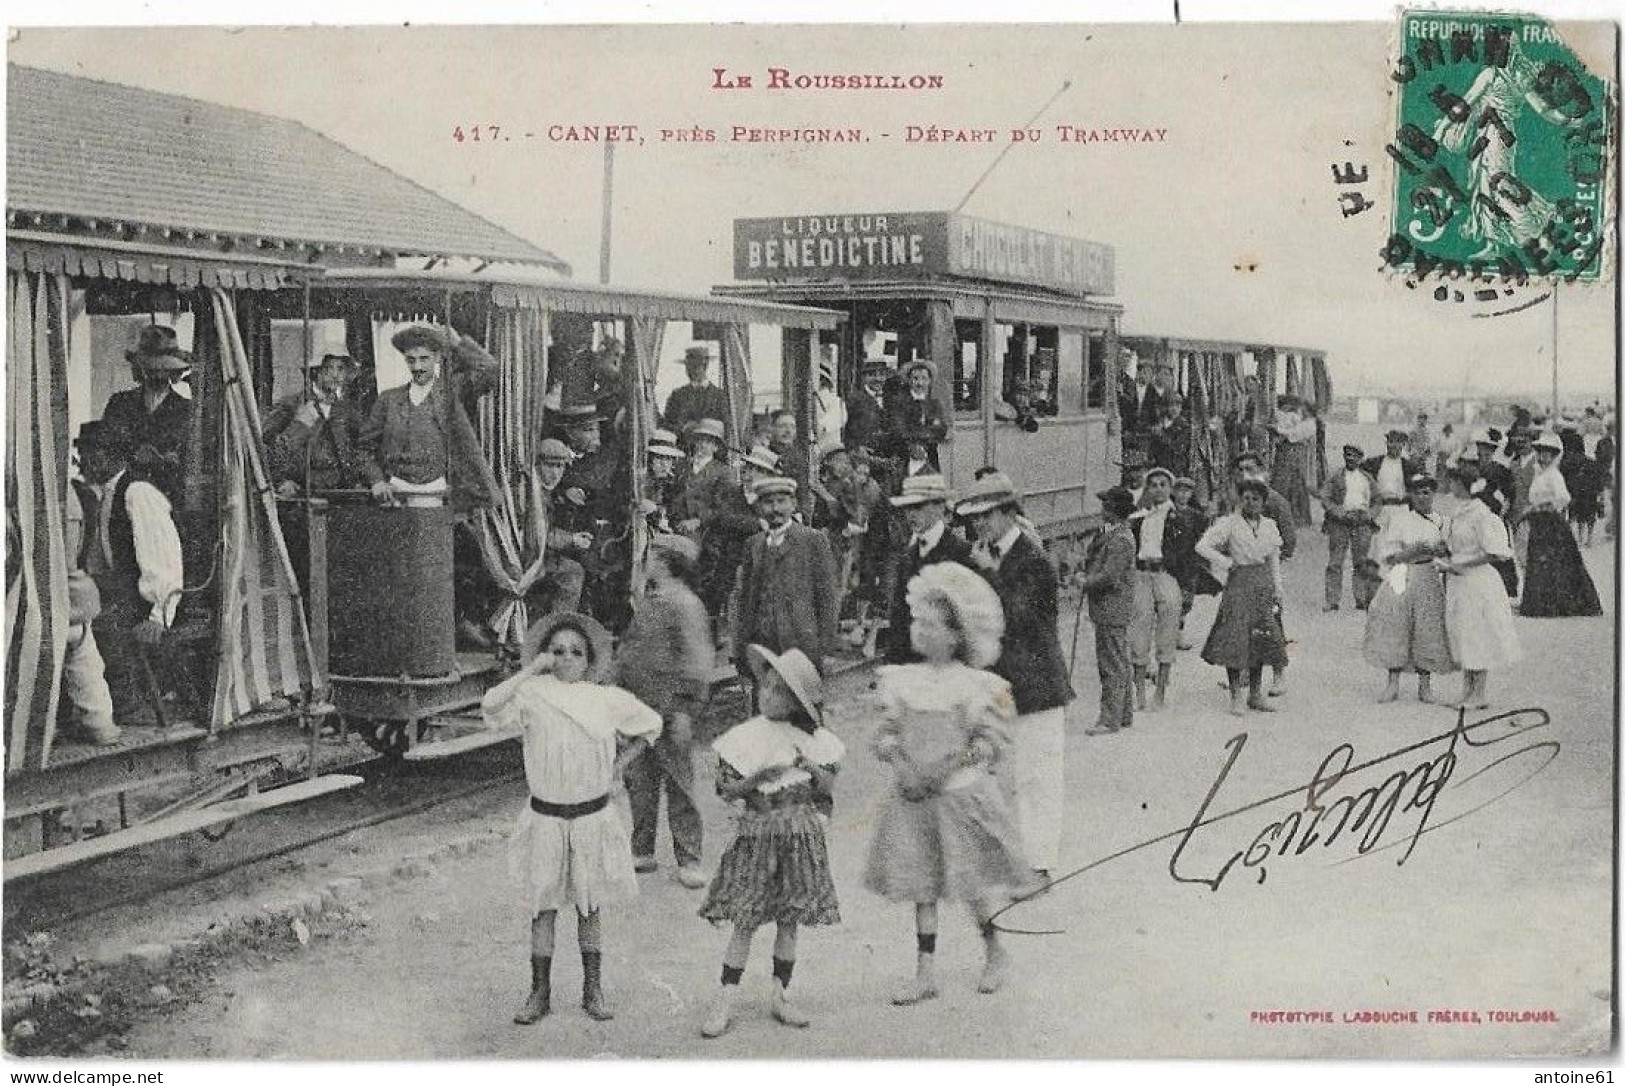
(911, 244)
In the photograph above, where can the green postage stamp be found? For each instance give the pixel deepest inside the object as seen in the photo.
(1503, 146)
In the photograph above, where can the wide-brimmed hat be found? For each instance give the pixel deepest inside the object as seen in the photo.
(798, 674)
(762, 457)
(664, 443)
(1117, 499)
(697, 355)
(978, 615)
(992, 491)
(421, 335)
(157, 348)
(922, 364)
(678, 545)
(711, 428)
(599, 642)
(769, 485)
(1548, 441)
(1164, 472)
(920, 489)
(553, 449)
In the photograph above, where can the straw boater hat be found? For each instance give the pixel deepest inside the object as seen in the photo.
(798, 674)
(599, 642)
(579, 416)
(920, 489)
(1164, 472)
(761, 457)
(772, 484)
(711, 428)
(992, 491)
(664, 443)
(1548, 441)
(421, 335)
(156, 348)
(976, 608)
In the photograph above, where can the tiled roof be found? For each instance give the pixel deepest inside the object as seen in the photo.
(90, 149)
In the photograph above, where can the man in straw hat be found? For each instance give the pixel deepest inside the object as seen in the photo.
(699, 399)
(661, 486)
(1031, 661)
(665, 660)
(706, 482)
(311, 433)
(787, 593)
(917, 423)
(157, 416)
(1108, 584)
(924, 503)
(418, 446)
(564, 575)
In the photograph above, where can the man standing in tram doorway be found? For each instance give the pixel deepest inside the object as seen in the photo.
(310, 438)
(917, 422)
(157, 416)
(1031, 662)
(418, 447)
(699, 399)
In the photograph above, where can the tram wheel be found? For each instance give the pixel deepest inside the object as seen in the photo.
(388, 737)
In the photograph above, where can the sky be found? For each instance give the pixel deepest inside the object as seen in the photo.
(1228, 228)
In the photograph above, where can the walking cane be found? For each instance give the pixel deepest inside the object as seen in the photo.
(1077, 627)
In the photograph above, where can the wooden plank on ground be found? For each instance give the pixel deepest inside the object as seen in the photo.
(445, 748)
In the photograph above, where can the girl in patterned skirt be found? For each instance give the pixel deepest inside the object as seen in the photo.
(946, 831)
(571, 848)
(779, 766)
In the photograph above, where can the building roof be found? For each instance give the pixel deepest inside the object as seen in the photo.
(109, 152)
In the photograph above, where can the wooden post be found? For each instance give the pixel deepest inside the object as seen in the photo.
(991, 378)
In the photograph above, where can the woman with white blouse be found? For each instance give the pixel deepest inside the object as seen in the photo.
(1477, 614)
(1244, 549)
(1405, 627)
(1556, 584)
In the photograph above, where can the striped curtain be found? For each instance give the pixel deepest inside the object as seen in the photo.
(36, 477)
(736, 383)
(513, 534)
(264, 646)
(647, 333)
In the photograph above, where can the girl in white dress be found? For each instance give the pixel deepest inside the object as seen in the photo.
(1477, 616)
(571, 846)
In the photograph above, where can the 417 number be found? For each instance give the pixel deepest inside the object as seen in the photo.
(476, 133)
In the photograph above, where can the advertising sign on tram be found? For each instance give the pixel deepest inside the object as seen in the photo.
(907, 245)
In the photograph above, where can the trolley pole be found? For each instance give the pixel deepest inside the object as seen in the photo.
(608, 212)
(1554, 353)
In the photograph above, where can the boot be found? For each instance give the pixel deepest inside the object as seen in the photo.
(1160, 697)
(1391, 691)
(1139, 689)
(721, 1016)
(922, 987)
(1238, 702)
(786, 1011)
(592, 989)
(1424, 688)
(996, 968)
(541, 992)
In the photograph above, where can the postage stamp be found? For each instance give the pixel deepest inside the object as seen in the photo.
(1501, 151)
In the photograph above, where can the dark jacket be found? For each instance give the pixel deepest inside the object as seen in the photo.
(689, 404)
(160, 439)
(723, 534)
(895, 645)
(1108, 576)
(469, 374)
(1278, 509)
(867, 424)
(1031, 661)
(1499, 487)
(1179, 538)
(1171, 446)
(917, 422)
(787, 595)
(328, 447)
(664, 657)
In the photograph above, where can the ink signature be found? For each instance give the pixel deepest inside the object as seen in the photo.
(1332, 815)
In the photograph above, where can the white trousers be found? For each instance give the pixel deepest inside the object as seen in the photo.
(1040, 783)
(84, 681)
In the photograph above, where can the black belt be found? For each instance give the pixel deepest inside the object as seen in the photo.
(1149, 565)
(1393, 501)
(569, 810)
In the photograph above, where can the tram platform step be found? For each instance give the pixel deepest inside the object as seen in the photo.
(445, 748)
(55, 859)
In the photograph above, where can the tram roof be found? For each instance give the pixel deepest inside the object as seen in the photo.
(87, 156)
(524, 288)
(1217, 346)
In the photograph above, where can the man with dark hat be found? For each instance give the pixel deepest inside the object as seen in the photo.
(1499, 485)
(418, 445)
(311, 433)
(924, 503)
(699, 399)
(1031, 660)
(563, 547)
(867, 417)
(1349, 502)
(787, 592)
(917, 423)
(1391, 470)
(1108, 584)
(133, 553)
(157, 416)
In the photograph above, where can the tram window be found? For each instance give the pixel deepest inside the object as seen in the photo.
(967, 366)
(110, 337)
(1070, 371)
(1094, 387)
(286, 376)
(1030, 360)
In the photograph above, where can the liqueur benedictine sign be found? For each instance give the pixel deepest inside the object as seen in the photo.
(910, 244)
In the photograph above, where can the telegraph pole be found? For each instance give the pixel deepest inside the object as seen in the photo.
(1554, 352)
(608, 211)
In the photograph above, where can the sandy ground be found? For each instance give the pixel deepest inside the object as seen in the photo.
(1506, 908)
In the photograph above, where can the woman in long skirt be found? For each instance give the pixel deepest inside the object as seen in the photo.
(1246, 634)
(1556, 584)
(1477, 614)
(1405, 628)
